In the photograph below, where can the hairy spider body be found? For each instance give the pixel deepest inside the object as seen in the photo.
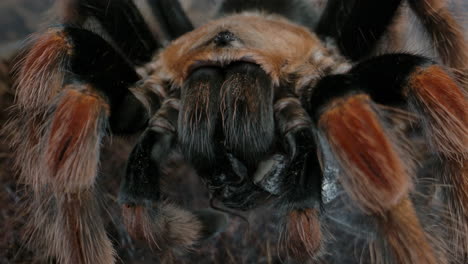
(266, 111)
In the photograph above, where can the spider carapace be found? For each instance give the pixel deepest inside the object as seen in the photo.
(282, 107)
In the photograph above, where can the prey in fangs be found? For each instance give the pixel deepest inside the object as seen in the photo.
(279, 108)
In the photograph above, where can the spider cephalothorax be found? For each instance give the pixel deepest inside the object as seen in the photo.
(266, 111)
(231, 87)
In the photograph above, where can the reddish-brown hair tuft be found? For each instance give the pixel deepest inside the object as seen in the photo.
(303, 234)
(73, 140)
(374, 175)
(40, 72)
(444, 110)
(446, 33)
(138, 223)
(455, 177)
(162, 226)
(405, 236)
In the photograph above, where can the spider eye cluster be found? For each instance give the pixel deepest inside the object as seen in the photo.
(224, 38)
(269, 42)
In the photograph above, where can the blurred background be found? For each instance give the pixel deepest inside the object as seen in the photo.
(255, 242)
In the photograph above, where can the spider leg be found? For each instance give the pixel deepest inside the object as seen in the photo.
(446, 33)
(67, 96)
(121, 19)
(64, 56)
(376, 164)
(356, 25)
(172, 17)
(147, 215)
(153, 148)
(302, 180)
(299, 11)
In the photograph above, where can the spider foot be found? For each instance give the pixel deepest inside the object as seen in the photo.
(163, 225)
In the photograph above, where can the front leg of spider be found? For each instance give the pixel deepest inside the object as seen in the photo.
(72, 87)
(295, 176)
(68, 113)
(354, 112)
(146, 214)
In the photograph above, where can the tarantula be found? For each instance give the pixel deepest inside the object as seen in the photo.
(279, 107)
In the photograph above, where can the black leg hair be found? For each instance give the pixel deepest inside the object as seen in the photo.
(298, 11)
(146, 215)
(237, 6)
(171, 16)
(300, 177)
(334, 18)
(154, 147)
(383, 78)
(94, 61)
(71, 55)
(356, 25)
(121, 19)
(296, 174)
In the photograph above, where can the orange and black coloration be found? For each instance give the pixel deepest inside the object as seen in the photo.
(265, 110)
